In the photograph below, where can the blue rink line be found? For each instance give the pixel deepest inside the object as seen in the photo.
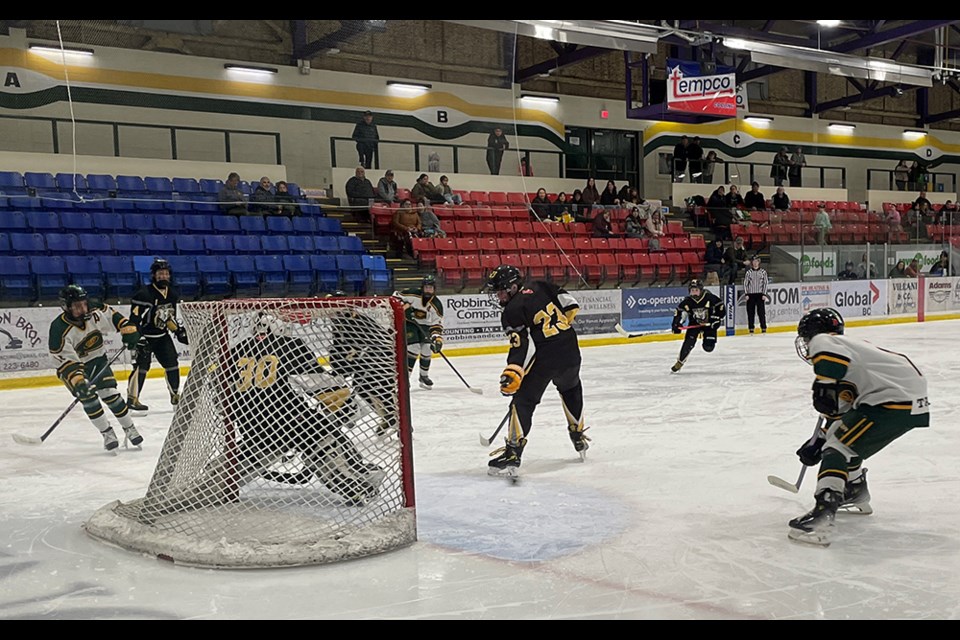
(535, 520)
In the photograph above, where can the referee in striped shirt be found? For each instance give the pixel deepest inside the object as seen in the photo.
(755, 286)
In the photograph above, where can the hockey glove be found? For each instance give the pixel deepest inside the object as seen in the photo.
(510, 379)
(715, 324)
(810, 453)
(181, 335)
(79, 386)
(130, 336)
(676, 328)
(437, 344)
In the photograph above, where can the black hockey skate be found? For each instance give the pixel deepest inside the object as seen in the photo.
(507, 464)
(174, 398)
(816, 526)
(676, 367)
(856, 497)
(425, 381)
(580, 441)
(136, 405)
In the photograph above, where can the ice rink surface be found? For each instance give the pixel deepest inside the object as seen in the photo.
(670, 517)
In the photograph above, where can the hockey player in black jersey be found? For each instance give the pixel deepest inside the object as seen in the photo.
(541, 313)
(154, 311)
(705, 313)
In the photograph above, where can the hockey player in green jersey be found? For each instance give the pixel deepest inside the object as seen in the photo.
(424, 326)
(77, 346)
(869, 397)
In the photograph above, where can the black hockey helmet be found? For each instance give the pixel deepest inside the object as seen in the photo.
(70, 294)
(159, 264)
(429, 280)
(502, 279)
(696, 283)
(825, 320)
(336, 294)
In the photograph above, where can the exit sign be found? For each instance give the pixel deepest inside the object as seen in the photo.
(604, 114)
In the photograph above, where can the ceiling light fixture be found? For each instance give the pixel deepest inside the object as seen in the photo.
(841, 127)
(532, 98)
(761, 121)
(914, 133)
(45, 48)
(409, 86)
(829, 24)
(246, 68)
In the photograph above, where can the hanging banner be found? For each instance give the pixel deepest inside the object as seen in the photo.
(690, 91)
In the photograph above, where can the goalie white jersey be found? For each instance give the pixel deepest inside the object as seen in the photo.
(879, 377)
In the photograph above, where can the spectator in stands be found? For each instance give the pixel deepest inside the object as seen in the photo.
(429, 222)
(541, 206)
(654, 228)
(624, 193)
(433, 162)
(448, 195)
(779, 167)
(288, 204)
(942, 266)
(733, 198)
(921, 199)
(916, 218)
(947, 213)
(780, 202)
(497, 143)
(633, 197)
(755, 200)
(367, 137)
(734, 259)
(526, 169)
(709, 164)
(898, 271)
(231, 200)
(797, 162)
(609, 198)
(713, 256)
(822, 223)
(261, 200)
(680, 159)
(901, 175)
(590, 194)
(636, 223)
(360, 195)
(387, 188)
(602, 228)
(580, 211)
(405, 226)
(866, 269)
(695, 160)
(849, 272)
(426, 189)
(560, 209)
(913, 269)
(720, 213)
(893, 222)
(913, 176)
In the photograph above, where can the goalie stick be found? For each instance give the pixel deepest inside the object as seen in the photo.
(479, 392)
(33, 441)
(795, 487)
(623, 332)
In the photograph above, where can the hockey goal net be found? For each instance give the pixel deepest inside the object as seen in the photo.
(290, 444)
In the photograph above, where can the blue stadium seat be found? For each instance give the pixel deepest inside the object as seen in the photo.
(56, 202)
(60, 243)
(243, 275)
(13, 221)
(5, 243)
(22, 202)
(202, 203)
(140, 222)
(11, 182)
(76, 221)
(93, 202)
(294, 189)
(326, 272)
(142, 202)
(50, 274)
(43, 220)
(214, 277)
(40, 181)
(130, 185)
(305, 225)
(352, 272)
(253, 224)
(69, 182)
(273, 277)
(159, 244)
(299, 275)
(245, 188)
(300, 244)
(310, 209)
(210, 185)
(326, 244)
(128, 244)
(120, 280)
(4, 202)
(107, 222)
(350, 244)
(185, 275)
(16, 283)
(217, 244)
(248, 245)
(158, 185)
(101, 182)
(97, 244)
(167, 223)
(27, 244)
(194, 223)
(279, 225)
(186, 185)
(85, 271)
(380, 277)
(275, 244)
(141, 267)
(225, 224)
(189, 245)
(329, 226)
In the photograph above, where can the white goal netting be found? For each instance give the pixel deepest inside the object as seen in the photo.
(290, 445)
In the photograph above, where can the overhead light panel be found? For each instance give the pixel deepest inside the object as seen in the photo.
(529, 97)
(620, 35)
(46, 48)
(914, 133)
(760, 121)
(841, 127)
(409, 86)
(246, 68)
(829, 24)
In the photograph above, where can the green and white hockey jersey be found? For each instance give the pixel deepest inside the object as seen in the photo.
(868, 375)
(426, 314)
(75, 342)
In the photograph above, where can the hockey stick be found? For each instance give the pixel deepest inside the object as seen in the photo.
(623, 332)
(479, 392)
(32, 441)
(488, 441)
(795, 488)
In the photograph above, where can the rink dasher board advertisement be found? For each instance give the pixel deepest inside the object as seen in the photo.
(652, 309)
(942, 294)
(472, 318)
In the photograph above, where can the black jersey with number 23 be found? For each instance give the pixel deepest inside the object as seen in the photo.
(542, 313)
